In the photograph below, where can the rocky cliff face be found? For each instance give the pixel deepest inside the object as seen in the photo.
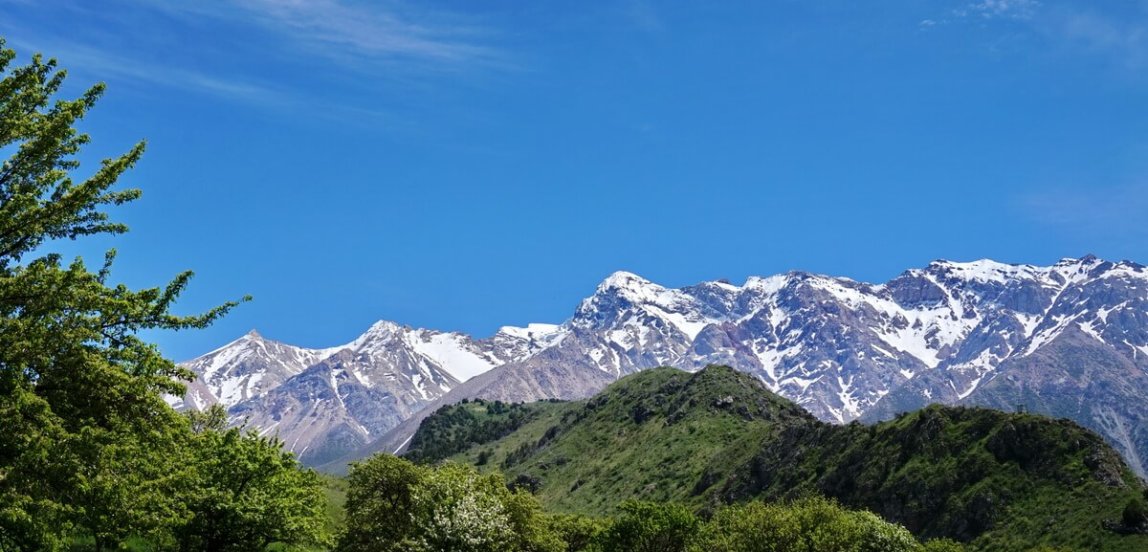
(1069, 340)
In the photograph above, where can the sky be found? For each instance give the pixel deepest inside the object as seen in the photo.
(467, 165)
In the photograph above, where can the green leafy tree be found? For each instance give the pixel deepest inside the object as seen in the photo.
(91, 457)
(380, 504)
(651, 527)
(456, 509)
(394, 504)
(248, 492)
(575, 531)
(810, 525)
(943, 545)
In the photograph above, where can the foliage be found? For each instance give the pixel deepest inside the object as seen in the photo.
(809, 525)
(974, 475)
(455, 428)
(653, 436)
(380, 504)
(577, 532)
(393, 504)
(651, 527)
(994, 480)
(248, 491)
(91, 457)
(457, 509)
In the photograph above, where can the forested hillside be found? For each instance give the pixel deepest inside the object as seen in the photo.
(997, 481)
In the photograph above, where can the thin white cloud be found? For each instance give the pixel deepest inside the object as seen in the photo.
(1116, 212)
(1098, 29)
(403, 44)
(355, 33)
(999, 9)
(1124, 38)
(102, 65)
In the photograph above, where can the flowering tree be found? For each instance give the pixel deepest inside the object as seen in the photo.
(393, 504)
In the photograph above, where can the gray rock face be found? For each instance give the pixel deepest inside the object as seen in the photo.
(1069, 340)
(1074, 347)
(325, 403)
(244, 368)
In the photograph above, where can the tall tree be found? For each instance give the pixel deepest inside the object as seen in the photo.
(248, 492)
(90, 454)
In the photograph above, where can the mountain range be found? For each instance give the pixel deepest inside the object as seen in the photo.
(1068, 340)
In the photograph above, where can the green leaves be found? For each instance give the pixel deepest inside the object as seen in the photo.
(396, 505)
(246, 492)
(810, 525)
(38, 199)
(91, 457)
(393, 504)
(651, 527)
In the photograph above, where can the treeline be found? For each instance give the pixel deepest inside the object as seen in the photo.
(457, 427)
(396, 505)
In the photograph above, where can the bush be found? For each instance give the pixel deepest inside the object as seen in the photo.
(1135, 513)
(810, 525)
(650, 527)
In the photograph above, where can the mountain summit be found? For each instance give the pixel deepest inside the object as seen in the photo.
(1069, 340)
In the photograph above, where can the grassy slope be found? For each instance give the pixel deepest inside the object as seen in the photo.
(651, 436)
(1004, 481)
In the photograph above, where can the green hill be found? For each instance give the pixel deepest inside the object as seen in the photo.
(998, 481)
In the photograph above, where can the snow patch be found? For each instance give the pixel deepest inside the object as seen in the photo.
(451, 353)
(1088, 328)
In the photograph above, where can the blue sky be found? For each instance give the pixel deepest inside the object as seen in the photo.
(462, 165)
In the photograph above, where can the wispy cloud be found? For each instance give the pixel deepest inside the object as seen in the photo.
(1113, 212)
(103, 65)
(1118, 32)
(256, 49)
(356, 33)
(644, 16)
(1124, 38)
(999, 9)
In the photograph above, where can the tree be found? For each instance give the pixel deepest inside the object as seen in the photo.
(90, 454)
(651, 527)
(1135, 513)
(810, 525)
(577, 531)
(247, 491)
(394, 504)
(456, 509)
(380, 504)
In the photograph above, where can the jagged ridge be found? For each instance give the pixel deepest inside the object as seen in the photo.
(956, 333)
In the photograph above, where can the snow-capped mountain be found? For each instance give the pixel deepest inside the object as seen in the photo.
(243, 369)
(1069, 340)
(324, 402)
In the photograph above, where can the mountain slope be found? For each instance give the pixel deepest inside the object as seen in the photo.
(243, 369)
(716, 436)
(326, 403)
(846, 350)
(972, 333)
